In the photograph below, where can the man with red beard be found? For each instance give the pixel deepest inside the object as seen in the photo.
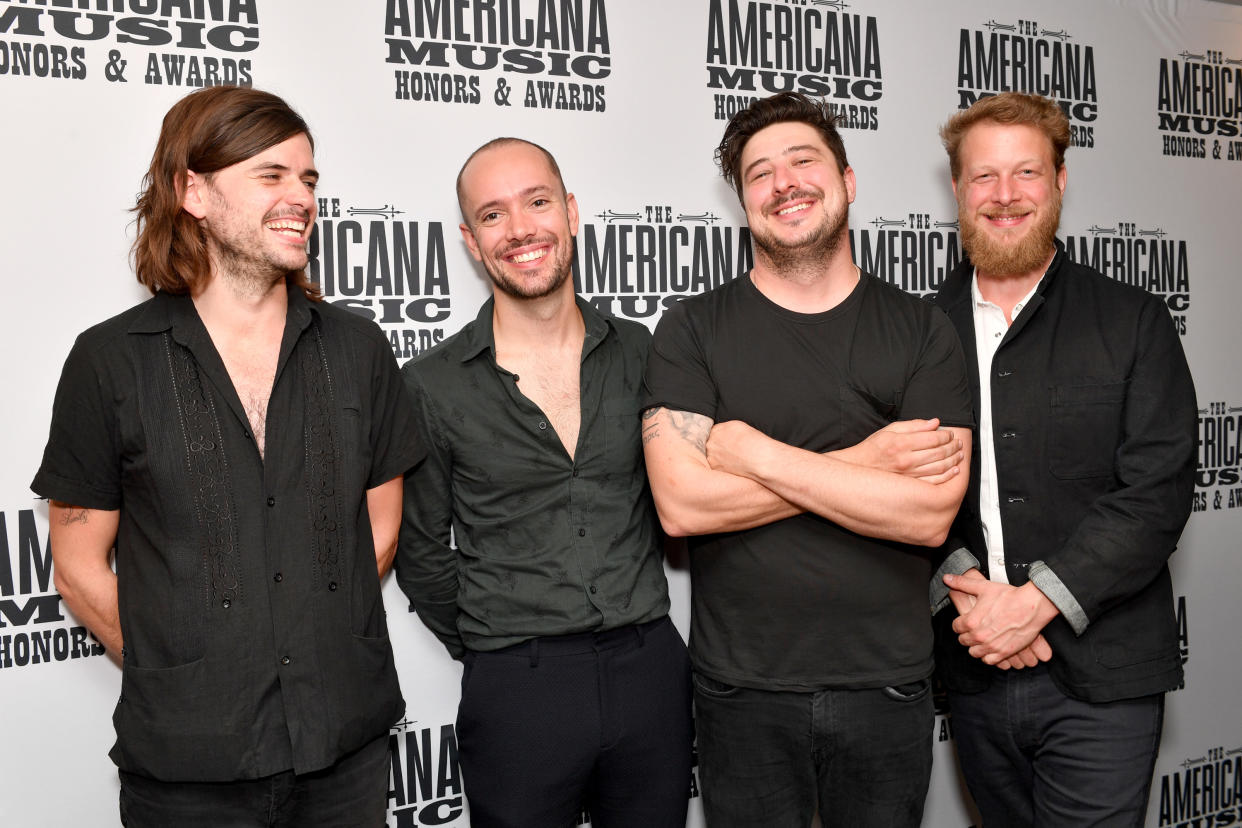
(241, 444)
(576, 685)
(1084, 469)
(779, 434)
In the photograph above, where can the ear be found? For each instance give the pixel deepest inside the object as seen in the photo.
(851, 185)
(193, 202)
(953, 181)
(571, 212)
(1061, 177)
(472, 244)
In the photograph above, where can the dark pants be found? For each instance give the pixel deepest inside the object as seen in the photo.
(353, 793)
(1033, 756)
(859, 757)
(601, 719)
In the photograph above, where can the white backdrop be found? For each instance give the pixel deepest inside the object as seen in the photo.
(630, 95)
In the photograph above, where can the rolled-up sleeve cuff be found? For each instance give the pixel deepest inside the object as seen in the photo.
(1050, 585)
(960, 560)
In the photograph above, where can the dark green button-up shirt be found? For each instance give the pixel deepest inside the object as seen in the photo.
(546, 544)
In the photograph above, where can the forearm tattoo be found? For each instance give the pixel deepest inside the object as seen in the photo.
(71, 514)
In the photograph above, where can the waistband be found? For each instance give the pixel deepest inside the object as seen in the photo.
(552, 646)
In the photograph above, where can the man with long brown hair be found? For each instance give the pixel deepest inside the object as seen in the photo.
(242, 446)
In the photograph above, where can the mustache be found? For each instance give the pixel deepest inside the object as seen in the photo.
(777, 204)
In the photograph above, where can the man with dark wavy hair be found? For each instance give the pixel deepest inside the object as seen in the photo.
(781, 433)
(242, 446)
(1085, 461)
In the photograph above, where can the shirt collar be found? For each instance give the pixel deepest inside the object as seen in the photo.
(1057, 258)
(480, 336)
(176, 312)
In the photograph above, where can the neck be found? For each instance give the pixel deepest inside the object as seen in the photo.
(810, 285)
(228, 309)
(1005, 290)
(547, 323)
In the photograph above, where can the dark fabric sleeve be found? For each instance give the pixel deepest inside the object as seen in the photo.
(1125, 539)
(81, 464)
(678, 376)
(939, 385)
(426, 564)
(395, 443)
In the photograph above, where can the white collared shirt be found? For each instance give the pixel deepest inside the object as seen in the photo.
(990, 328)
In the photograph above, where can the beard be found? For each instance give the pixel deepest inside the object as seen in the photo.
(1005, 256)
(548, 281)
(810, 249)
(243, 255)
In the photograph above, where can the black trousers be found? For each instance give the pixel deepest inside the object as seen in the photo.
(1033, 756)
(353, 793)
(596, 719)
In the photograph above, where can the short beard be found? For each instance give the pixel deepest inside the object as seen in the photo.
(810, 252)
(996, 258)
(561, 268)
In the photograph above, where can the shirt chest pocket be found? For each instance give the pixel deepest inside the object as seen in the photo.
(1085, 428)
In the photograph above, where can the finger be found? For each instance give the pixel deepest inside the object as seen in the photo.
(1041, 649)
(907, 426)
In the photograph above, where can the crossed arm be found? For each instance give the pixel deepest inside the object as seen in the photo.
(82, 541)
(903, 483)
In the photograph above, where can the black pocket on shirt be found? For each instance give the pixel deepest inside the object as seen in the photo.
(1085, 428)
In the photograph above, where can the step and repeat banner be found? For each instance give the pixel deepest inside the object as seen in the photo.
(631, 96)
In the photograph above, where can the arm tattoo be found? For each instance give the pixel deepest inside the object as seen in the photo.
(72, 514)
(651, 426)
(693, 428)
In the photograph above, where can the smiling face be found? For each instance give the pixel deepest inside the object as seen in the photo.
(1008, 198)
(520, 222)
(258, 214)
(796, 199)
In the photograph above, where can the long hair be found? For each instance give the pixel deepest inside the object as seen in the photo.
(205, 131)
(779, 108)
(1008, 108)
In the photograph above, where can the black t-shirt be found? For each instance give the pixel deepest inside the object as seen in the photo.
(803, 604)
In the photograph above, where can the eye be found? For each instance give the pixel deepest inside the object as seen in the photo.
(541, 202)
(311, 184)
(488, 218)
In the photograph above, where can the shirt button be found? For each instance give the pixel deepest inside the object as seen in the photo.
(271, 501)
(593, 589)
(332, 586)
(543, 425)
(582, 533)
(285, 661)
(226, 603)
(996, 335)
(575, 474)
(278, 577)
(1008, 434)
(1003, 373)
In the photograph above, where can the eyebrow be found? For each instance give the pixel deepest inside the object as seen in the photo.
(272, 166)
(524, 194)
(784, 152)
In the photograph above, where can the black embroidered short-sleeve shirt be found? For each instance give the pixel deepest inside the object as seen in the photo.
(255, 637)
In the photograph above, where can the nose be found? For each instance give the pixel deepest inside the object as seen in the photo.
(783, 178)
(300, 194)
(1005, 192)
(520, 225)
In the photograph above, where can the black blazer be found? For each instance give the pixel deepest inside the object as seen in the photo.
(1094, 427)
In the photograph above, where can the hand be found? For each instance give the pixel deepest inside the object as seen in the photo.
(733, 445)
(1039, 650)
(914, 448)
(1003, 621)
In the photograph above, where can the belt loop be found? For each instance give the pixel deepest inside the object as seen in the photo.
(534, 652)
(641, 633)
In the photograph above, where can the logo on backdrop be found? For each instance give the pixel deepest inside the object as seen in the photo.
(1142, 256)
(514, 53)
(1032, 57)
(636, 264)
(33, 626)
(1199, 105)
(371, 261)
(755, 49)
(1183, 637)
(188, 44)
(1205, 791)
(1219, 468)
(424, 782)
(912, 251)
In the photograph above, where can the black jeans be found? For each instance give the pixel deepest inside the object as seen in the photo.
(596, 719)
(859, 757)
(1032, 755)
(353, 793)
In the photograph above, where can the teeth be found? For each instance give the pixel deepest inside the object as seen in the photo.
(522, 258)
(793, 209)
(287, 224)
